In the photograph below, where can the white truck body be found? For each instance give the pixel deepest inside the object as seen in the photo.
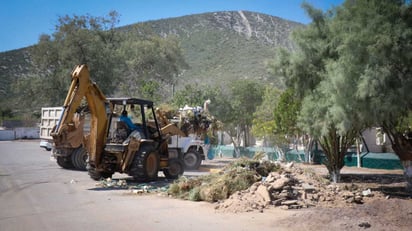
(192, 148)
(184, 143)
(49, 118)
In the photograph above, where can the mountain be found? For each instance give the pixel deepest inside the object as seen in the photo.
(219, 47)
(223, 46)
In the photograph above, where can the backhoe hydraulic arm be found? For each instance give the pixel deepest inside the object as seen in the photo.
(82, 87)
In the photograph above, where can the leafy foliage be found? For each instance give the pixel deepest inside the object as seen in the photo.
(264, 120)
(76, 40)
(375, 53)
(353, 71)
(311, 74)
(190, 95)
(286, 113)
(151, 59)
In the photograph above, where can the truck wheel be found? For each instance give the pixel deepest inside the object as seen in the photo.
(192, 160)
(64, 162)
(145, 165)
(79, 158)
(174, 170)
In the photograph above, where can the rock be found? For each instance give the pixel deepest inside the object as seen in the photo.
(284, 207)
(303, 195)
(364, 225)
(283, 195)
(331, 187)
(277, 202)
(263, 192)
(289, 165)
(358, 199)
(271, 177)
(367, 193)
(279, 183)
(289, 202)
(347, 195)
(137, 191)
(253, 188)
(308, 188)
(295, 206)
(350, 200)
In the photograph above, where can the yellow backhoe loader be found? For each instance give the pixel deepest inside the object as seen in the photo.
(111, 145)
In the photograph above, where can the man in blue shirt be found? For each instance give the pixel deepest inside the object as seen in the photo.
(127, 120)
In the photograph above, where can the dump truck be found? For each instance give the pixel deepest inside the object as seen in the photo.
(112, 146)
(49, 118)
(72, 155)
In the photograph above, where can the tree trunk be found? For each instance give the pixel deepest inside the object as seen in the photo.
(335, 148)
(236, 150)
(246, 136)
(402, 146)
(334, 165)
(309, 153)
(407, 172)
(335, 175)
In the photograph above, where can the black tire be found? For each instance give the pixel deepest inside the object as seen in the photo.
(79, 158)
(145, 165)
(192, 160)
(64, 162)
(174, 170)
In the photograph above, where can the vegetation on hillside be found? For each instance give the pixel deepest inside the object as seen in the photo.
(206, 50)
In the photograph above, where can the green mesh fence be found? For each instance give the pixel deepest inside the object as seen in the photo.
(368, 160)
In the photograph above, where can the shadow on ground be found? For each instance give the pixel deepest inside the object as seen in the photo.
(392, 185)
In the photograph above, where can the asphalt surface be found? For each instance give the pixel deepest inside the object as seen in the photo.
(36, 194)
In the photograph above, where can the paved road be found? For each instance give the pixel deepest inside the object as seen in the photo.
(36, 194)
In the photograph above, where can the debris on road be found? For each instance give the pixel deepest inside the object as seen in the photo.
(135, 188)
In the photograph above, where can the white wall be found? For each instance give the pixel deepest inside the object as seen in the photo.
(7, 135)
(370, 139)
(20, 133)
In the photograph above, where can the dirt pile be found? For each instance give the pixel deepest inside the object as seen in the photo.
(248, 185)
(236, 176)
(293, 187)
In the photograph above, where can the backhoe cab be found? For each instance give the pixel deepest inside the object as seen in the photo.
(141, 152)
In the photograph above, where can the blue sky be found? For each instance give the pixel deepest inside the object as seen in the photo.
(23, 21)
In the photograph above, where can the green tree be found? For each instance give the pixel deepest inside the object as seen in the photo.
(375, 56)
(362, 77)
(190, 95)
(286, 114)
(310, 73)
(76, 40)
(263, 118)
(245, 97)
(150, 58)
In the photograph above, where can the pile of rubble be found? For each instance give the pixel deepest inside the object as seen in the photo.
(248, 185)
(293, 188)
